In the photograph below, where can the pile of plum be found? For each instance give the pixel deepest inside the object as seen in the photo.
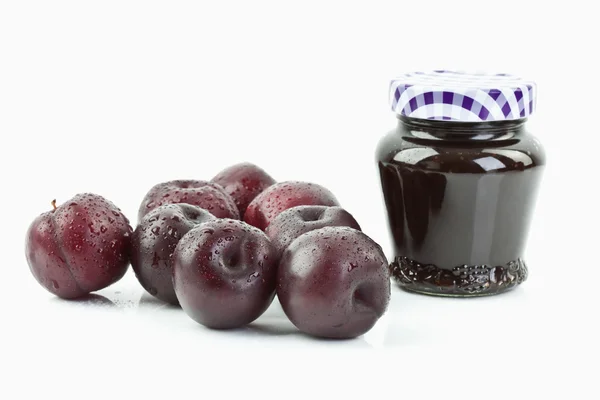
(222, 250)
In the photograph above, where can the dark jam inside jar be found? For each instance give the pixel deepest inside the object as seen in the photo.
(459, 199)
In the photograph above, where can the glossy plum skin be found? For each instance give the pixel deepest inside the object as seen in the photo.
(243, 182)
(80, 247)
(281, 196)
(295, 221)
(153, 244)
(224, 273)
(208, 195)
(334, 282)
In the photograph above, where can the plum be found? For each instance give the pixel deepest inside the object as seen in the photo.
(79, 247)
(296, 221)
(334, 282)
(243, 182)
(208, 195)
(281, 196)
(224, 273)
(154, 242)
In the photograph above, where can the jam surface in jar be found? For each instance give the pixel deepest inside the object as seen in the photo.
(459, 195)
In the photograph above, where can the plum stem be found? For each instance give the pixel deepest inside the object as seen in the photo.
(53, 202)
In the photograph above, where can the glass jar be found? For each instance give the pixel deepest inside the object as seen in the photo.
(459, 176)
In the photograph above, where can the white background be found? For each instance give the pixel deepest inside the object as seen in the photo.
(112, 97)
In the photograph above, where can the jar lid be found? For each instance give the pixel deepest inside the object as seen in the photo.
(462, 96)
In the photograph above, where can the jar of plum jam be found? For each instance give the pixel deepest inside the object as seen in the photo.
(459, 176)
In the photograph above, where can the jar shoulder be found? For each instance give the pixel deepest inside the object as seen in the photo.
(508, 151)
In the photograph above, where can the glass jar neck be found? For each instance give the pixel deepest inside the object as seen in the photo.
(473, 130)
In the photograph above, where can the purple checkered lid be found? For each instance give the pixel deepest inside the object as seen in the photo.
(461, 96)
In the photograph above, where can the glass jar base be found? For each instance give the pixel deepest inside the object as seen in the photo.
(460, 281)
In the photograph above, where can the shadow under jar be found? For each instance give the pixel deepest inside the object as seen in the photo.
(460, 175)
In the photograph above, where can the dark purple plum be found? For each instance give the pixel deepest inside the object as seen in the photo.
(154, 242)
(296, 221)
(208, 195)
(281, 196)
(243, 182)
(334, 282)
(79, 247)
(225, 273)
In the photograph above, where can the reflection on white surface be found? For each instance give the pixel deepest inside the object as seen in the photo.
(271, 326)
(125, 312)
(144, 338)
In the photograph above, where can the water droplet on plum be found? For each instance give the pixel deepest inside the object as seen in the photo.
(252, 276)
